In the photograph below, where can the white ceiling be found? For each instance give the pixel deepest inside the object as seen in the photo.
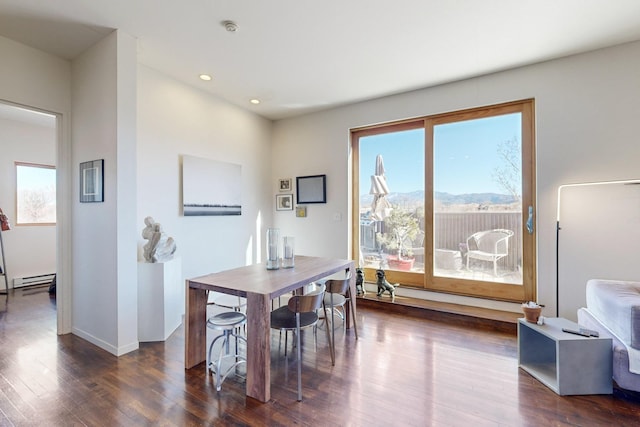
(299, 56)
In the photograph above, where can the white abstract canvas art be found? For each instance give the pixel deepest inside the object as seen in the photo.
(210, 187)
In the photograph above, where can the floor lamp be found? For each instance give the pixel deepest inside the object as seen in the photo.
(558, 228)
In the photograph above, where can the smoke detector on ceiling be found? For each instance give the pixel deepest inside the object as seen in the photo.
(230, 26)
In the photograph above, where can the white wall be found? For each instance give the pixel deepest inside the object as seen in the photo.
(586, 122)
(126, 164)
(29, 249)
(104, 253)
(175, 120)
(599, 231)
(34, 78)
(314, 145)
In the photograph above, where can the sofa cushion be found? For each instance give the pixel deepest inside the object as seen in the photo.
(616, 304)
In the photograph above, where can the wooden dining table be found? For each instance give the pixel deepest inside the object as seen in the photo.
(259, 286)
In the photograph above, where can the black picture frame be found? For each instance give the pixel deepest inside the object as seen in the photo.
(311, 189)
(92, 181)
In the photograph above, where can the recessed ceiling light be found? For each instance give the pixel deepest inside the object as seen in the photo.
(205, 77)
(255, 101)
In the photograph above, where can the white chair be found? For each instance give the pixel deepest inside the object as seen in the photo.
(489, 245)
(231, 302)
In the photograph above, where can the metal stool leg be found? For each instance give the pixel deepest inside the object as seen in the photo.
(229, 323)
(225, 352)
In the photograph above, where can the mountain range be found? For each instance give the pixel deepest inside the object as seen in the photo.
(445, 198)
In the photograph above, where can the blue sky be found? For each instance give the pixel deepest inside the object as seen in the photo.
(36, 178)
(465, 152)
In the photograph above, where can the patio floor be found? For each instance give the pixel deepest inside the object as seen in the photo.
(478, 270)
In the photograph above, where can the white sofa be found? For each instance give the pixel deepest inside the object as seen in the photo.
(613, 309)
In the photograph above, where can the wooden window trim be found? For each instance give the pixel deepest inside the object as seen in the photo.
(427, 281)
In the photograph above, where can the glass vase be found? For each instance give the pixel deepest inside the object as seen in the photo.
(288, 252)
(273, 240)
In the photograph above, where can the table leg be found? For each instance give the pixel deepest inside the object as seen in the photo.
(258, 347)
(195, 334)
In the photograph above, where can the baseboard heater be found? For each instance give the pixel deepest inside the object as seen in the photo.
(20, 282)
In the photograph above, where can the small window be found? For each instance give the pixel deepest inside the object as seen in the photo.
(35, 194)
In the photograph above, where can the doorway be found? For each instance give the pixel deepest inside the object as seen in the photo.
(29, 140)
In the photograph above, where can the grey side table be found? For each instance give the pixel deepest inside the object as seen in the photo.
(566, 363)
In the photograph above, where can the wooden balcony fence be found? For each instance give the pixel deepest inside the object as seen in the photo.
(452, 229)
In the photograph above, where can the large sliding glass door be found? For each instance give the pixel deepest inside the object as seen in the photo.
(477, 199)
(391, 201)
(446, 202)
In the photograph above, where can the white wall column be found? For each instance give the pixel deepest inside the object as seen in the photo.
(104, 233)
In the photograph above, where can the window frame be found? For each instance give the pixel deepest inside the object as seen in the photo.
(427, 280)
(18, 221)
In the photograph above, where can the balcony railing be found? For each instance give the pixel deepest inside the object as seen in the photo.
(452, 229)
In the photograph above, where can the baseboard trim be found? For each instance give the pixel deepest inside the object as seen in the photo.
(108, 347)
(445, 312)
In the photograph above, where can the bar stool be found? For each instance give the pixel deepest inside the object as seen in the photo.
(226, 322)
(230, 302)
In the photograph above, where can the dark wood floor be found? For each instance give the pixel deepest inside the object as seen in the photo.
(408, 371)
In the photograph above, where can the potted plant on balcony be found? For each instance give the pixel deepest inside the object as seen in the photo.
(401, 229)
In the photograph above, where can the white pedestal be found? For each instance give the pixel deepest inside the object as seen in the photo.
(160, 299)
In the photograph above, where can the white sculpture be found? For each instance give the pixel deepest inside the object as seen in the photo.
(159, 247)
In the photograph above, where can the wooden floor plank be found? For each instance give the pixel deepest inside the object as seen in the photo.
(411, 369)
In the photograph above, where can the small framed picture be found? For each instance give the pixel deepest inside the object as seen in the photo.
(92, 181)
(284, 184)
(301, 211)
(284, 202)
